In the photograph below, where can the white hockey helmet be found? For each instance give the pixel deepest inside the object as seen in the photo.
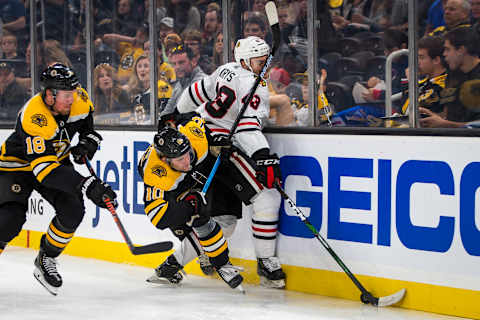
(250, 47)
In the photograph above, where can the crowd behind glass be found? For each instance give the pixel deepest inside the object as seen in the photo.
(352, 37)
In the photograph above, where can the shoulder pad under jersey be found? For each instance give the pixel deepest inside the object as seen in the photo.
(194, 130)
(158, 173)
(37, 120)
(81, 106)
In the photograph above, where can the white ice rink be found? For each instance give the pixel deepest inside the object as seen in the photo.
(95, 289)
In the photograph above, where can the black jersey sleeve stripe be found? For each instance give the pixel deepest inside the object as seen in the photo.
(192, 97)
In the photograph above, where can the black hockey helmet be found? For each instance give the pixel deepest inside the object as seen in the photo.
(171, 143)
(58, 77)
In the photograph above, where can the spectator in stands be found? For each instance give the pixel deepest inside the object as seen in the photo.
(456, 15)
(128, 48)
(165, 70)
(139, 87)
(185, 15)
(193, 40)
(165, 27)
(181, 59)
(12, 94)
(217, 56)
(284, 21)
(12, 15)
(255, 25)
(126, 21)
(53, 52)
(461, 96)
(211, 26)
(110, 97)
(431, 66)
(9, 45)
(476, 11)
(301, 105)
(435, 16)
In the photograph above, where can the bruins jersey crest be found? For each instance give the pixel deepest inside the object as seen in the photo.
(159, 171)
(196, 132)
(39, 119)
(82, 94)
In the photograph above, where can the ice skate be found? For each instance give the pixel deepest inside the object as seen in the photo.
(46, 273)
(205, 265)
(231, 275)
(169, 272)
(271, 273)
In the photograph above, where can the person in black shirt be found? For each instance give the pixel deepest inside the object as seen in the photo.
(461, 95)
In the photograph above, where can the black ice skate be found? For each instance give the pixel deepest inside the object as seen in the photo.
(46, 273)
(271, 273)
(231, 275)
(167, 273)
(205, 265)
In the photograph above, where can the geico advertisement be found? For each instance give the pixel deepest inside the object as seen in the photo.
(393, 207)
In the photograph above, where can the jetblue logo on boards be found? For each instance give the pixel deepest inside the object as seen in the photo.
(438, 173)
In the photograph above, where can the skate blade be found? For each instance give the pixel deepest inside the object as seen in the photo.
(240, 288)
(163, 281)
(274, 284)
(40, 278)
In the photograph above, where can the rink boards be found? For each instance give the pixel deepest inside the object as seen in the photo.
(400, 211)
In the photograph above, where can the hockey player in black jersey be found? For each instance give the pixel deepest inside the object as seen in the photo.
(174, 169)
(36, 157)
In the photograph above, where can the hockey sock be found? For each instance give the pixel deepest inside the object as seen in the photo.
(264, 237)
(211, 238)
(56, 238)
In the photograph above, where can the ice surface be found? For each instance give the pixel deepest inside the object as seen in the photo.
(95, 289)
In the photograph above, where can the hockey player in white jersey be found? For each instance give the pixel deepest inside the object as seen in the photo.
(219, 99)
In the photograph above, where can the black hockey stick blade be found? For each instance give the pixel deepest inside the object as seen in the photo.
(152, 248)
(136, 250)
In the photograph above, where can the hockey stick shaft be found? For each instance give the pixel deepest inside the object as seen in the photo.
(136, 250)
(373, 300)
(272, 16)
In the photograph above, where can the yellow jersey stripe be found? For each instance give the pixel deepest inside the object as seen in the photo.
(217, 252)
(49, 158)
(153, 204)
(47, 171)
(209, 242)
(159, 215)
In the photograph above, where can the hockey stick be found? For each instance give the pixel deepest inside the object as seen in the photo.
(136, 250)
(272, 15)
(366, 297)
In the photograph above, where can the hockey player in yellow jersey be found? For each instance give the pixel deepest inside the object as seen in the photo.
(35, 157)
(174, 169)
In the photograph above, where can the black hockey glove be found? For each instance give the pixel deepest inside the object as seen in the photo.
(86, 147)
(196, 200)
(98, 192)
(268, 168)
(220, 144)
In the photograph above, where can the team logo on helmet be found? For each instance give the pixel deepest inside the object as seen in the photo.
(179, 141)
(159, 171)
(196, 132)
(39, 119)
(160, 141)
